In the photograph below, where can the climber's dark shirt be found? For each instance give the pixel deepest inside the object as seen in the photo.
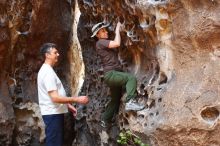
(109, 56)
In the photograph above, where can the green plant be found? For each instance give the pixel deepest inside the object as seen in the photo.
(130, 139)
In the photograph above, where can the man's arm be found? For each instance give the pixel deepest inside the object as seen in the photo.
(60, 99)
(117, 41)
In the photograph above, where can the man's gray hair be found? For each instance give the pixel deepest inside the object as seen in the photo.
(45, 48)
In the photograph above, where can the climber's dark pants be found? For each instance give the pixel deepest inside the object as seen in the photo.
(54, 129)
(116, 80)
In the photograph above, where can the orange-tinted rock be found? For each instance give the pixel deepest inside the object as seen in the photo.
(172, 47)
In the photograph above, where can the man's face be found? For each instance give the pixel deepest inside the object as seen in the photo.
(53, 55)
(102, 33)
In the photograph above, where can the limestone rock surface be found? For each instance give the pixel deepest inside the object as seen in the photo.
(24, 27)
(171, 46)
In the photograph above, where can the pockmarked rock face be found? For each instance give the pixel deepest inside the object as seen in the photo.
(172, 47)
(7, 118)
(24, 27)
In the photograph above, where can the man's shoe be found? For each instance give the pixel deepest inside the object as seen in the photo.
(133, 105)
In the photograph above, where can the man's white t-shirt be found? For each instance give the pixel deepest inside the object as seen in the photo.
(47, 80)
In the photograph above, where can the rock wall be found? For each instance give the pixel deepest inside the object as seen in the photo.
(171, 46)
(24, 27)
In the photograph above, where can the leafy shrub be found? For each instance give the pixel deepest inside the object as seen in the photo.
(129, 139)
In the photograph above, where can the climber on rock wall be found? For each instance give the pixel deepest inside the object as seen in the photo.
(114, 77)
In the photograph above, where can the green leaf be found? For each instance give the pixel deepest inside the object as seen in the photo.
(121, 134)
(128, 133)
(139, 141)
(124, 140)
(123, 137)
(135, 140)
(119, 141)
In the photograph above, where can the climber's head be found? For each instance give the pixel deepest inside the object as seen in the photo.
(99, 30)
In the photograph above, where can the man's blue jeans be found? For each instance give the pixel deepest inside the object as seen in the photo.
(54, 129)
